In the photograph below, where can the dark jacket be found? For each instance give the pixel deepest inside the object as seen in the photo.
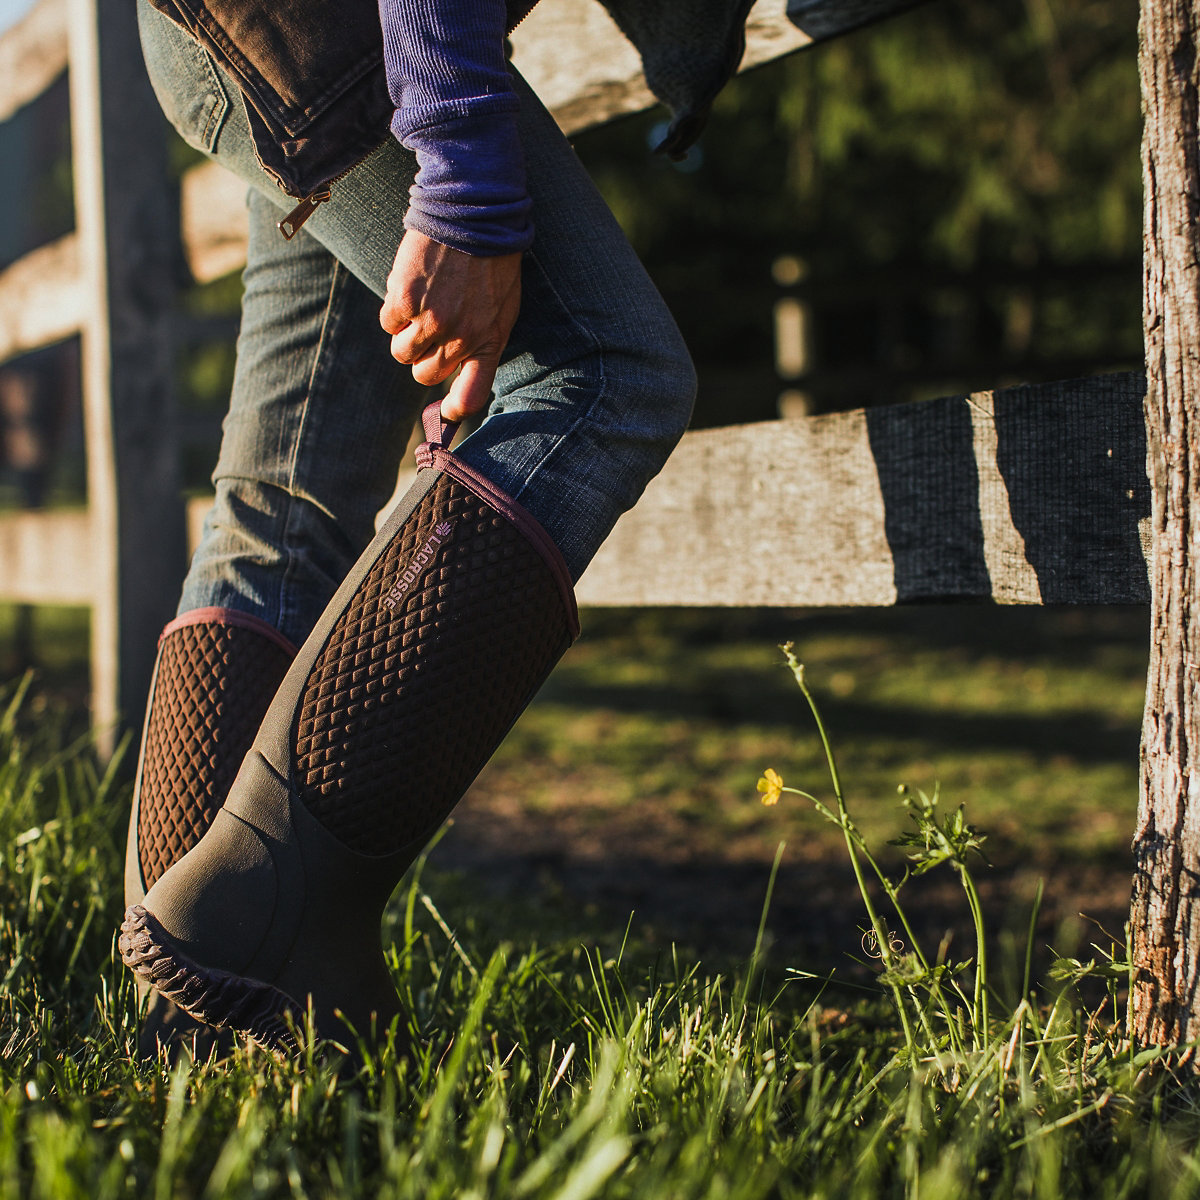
(317, 99)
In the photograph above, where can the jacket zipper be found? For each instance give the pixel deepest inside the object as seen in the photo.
(290, 225)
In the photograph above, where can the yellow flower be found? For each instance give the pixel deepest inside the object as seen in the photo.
(771, 787)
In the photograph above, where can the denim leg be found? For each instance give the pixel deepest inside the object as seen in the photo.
(317, 422)
(319, 412)
(596, 385)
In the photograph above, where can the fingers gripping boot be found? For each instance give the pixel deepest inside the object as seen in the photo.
(213, 681)
(430, 650)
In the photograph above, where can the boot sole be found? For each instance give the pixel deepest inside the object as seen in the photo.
(268, 1017)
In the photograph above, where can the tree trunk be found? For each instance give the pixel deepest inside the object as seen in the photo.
(1165, 914)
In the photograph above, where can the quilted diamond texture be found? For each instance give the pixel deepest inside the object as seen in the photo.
(406, 703)
(212, 687)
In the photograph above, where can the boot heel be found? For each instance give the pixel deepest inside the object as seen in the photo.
(214, 997)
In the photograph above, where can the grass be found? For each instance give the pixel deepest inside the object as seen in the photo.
(1027, 725)
(564, 1055)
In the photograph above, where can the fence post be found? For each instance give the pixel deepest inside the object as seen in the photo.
(1165, 912)
(127, 248)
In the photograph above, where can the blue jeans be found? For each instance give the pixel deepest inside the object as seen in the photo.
(594, 390)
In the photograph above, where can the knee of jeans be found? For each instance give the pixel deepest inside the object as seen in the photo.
(661, 380)
(679, 390)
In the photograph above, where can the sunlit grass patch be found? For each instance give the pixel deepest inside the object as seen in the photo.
(663, 721)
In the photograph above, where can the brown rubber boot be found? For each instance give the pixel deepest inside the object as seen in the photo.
(426, 655)
(214, 678)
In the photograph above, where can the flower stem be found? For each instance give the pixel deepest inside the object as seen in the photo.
(881, 932)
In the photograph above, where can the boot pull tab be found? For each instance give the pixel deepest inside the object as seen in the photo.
(438, 430)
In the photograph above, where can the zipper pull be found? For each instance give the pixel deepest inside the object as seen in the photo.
(290, 225)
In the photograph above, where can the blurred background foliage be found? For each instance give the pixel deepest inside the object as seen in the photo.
(954, 135)
(961, 186)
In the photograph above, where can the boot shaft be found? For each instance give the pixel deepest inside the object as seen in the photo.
(216, 673)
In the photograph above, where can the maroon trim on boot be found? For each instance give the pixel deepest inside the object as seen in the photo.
(437, 428)
(214, 615)
(434, 453)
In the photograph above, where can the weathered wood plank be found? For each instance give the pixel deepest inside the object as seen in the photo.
(579, 64)
(41, 298)
(46, 558)
(212, 214)
(1027, 495)
(127, 235)
(33, 53)
(1030, 495)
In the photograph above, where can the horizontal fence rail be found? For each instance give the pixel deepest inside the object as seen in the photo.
(33, 54)
(42, 298)
(1026, 495)
(48, 557)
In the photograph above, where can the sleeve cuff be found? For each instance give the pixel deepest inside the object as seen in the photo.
(469, 193)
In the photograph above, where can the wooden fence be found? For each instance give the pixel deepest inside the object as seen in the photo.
(1028, 495)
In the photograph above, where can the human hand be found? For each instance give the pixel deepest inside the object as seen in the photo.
(445, 310)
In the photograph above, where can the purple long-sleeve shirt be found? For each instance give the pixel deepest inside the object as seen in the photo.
(457, 111)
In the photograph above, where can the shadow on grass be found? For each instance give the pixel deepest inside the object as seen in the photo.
(1053, 634)
(1081, 734)
(523, 890)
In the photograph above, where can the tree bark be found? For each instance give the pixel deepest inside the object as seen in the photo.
(1165, 913)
